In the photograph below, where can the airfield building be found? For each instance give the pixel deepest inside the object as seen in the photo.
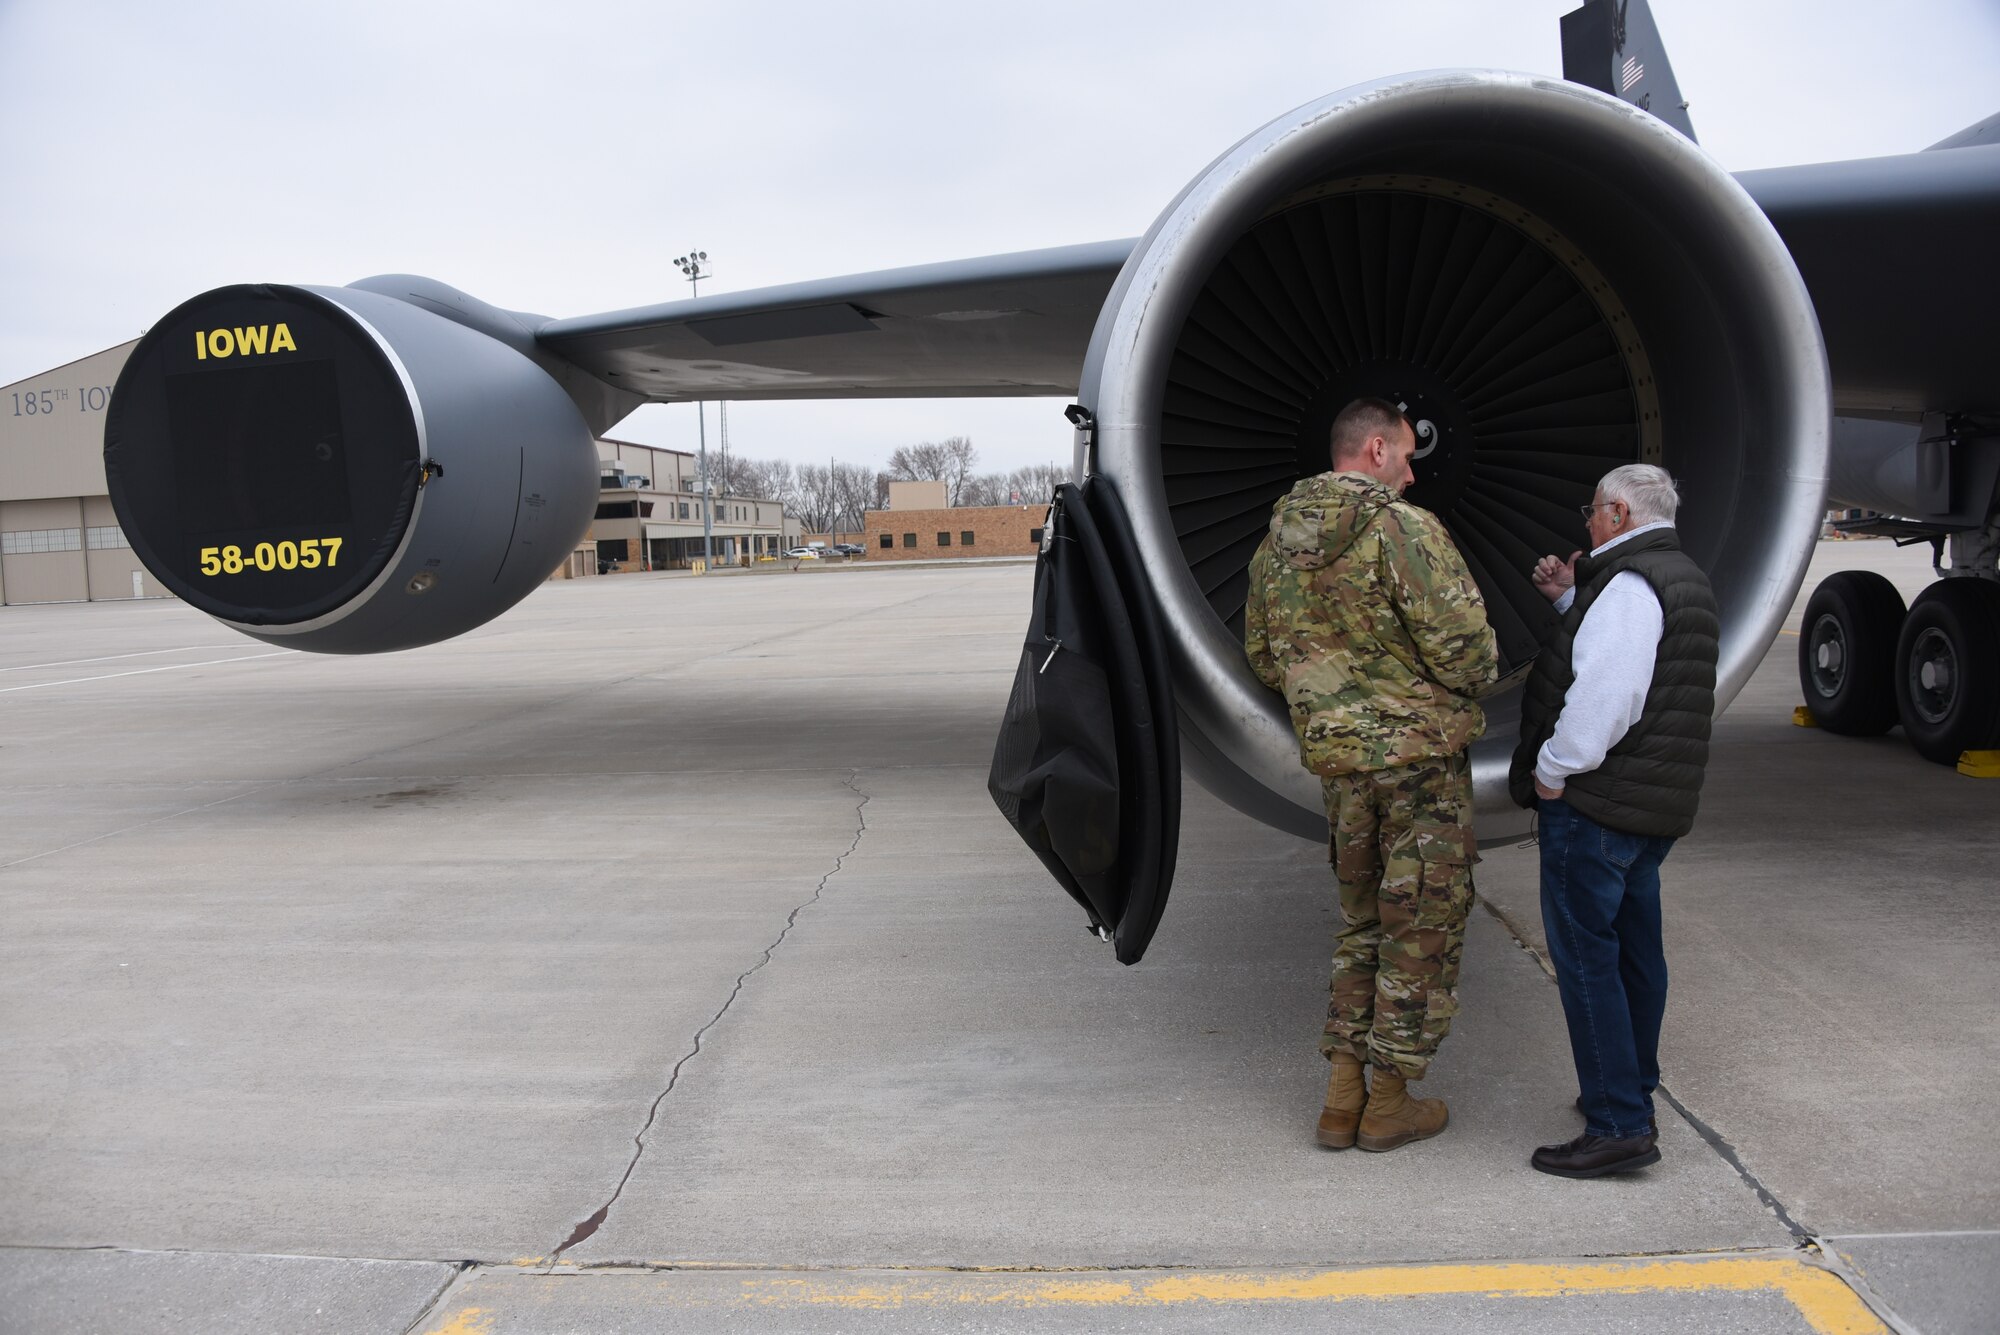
(920, 524)
(649, 512)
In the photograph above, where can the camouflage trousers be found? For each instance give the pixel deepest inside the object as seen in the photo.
(1403, 851)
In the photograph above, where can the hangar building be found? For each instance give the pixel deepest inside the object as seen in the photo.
(59, 540)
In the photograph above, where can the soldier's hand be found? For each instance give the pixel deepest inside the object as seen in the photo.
(1553, 574)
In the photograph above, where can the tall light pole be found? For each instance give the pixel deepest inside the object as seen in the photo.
(695, 266)
(722, 433)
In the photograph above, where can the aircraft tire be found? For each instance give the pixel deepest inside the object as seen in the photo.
(1847, 653)
(1948, 669)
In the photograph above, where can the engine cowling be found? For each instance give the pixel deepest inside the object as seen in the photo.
(337, 470)
(1552, 281)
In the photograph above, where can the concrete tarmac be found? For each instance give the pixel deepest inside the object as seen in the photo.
(653, 958)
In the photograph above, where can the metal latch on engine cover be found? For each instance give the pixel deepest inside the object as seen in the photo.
(1085, 423)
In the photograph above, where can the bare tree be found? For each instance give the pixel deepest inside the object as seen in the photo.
(948, 461)
(836, 497)
(927, 462)
(958, 449)
(1034, 484)
(813, 502)
(853, 496)
(765, 479)
(984, 489)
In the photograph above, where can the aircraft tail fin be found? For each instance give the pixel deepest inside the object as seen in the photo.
(1985, 132)
(1614, 46)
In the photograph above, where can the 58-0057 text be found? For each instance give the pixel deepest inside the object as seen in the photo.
(305, 554)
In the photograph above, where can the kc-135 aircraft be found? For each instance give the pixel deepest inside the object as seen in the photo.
(1547, 273)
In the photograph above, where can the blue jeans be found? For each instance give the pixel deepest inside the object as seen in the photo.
(1601, 910)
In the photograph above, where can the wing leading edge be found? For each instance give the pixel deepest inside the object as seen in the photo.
(998, 326)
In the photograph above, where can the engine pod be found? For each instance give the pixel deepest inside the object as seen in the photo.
(263, 455)
(336, 470)
(1553, 281)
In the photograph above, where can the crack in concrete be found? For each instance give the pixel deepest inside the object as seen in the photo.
(1710, 1136)
(588, 1269)
(1727, 1153)
(587, 1226)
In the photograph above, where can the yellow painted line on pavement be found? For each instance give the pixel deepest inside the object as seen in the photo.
(1820, 1297)
(1827, 1304)
(467, 1321)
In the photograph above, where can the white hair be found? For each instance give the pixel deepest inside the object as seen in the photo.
(1647, 490)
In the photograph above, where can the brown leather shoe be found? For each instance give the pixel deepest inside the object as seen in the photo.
(1345, 1094)
(1393, 1118)
(1594, 1156)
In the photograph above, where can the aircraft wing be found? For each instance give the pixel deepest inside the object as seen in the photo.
(1899, 255)
(1001, 325)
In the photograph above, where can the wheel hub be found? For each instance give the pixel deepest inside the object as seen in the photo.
(1933, 675)
(1829, 656)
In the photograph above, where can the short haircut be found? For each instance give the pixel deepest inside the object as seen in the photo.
(1361, 420)
(1647, 490)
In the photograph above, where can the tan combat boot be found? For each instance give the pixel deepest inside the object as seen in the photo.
(1345, 1093)
(1393, 1118)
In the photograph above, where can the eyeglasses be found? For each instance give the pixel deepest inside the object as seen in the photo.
(1588, 510)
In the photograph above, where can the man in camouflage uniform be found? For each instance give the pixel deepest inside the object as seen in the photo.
(1362, 613)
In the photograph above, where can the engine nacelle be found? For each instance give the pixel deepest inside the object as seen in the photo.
(337, 470)
(1552, 281)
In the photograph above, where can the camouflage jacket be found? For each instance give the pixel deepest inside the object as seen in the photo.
(1362, 613)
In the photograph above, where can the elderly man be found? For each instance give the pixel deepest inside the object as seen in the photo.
(1614, 742)
(1360, 610)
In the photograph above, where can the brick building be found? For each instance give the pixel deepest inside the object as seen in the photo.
(966, 530)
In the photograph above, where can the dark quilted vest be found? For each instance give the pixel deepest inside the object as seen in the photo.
(1650, 782)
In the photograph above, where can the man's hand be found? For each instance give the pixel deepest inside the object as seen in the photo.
(1553, 574)
(1547, 793)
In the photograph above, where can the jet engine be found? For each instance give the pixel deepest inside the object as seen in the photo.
(1552, 283)
(344, 471)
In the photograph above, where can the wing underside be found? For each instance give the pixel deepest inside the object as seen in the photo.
(1002, 325)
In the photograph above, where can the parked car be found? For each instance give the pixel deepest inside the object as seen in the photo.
(809, 553)
(848, 548)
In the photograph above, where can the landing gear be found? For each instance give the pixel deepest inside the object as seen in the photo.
(1847, 653)
(1947, 667)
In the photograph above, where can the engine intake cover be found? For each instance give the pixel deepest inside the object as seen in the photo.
(332, 469)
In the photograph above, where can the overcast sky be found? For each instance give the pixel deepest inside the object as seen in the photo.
(556, 159)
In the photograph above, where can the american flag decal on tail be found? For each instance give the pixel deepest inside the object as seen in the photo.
(1614, 46)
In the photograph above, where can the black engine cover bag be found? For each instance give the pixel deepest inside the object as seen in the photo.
(1055, 764)
(1078, 769)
